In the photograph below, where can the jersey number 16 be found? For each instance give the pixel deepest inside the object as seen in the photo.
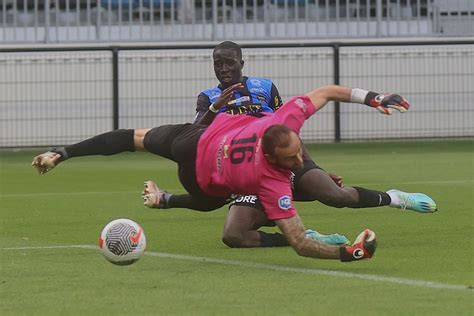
(243, 149)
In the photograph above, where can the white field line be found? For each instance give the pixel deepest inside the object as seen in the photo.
(183, 191)
(263, 266)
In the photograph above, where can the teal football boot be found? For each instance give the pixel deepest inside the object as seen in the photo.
(418, 202)
(332, 239)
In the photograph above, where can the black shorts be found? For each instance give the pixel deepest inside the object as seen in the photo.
(178, 143)
(254, 201)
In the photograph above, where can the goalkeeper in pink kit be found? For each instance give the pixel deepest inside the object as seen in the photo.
(241, 155)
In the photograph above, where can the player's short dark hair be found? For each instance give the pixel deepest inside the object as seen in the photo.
(275, 136)
(230, 45)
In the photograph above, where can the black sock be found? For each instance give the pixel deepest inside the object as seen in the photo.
(182, 201)
(371, 198)
(106, 144)
(195, 203)
(272, 240)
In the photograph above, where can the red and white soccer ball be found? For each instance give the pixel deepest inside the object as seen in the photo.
(122, 241)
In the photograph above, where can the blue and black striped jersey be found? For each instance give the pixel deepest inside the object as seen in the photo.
(258, 95)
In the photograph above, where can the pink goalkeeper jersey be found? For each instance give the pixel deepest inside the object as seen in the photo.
(230, 158)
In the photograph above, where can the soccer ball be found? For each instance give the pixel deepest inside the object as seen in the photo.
(122, 241)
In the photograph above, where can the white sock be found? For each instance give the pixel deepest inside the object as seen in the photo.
(395, 201)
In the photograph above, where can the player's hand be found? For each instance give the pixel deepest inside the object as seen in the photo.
(46, 161)
(226, 95)
(385, 103)
(363, 247)
(337, 179)
(152, 196)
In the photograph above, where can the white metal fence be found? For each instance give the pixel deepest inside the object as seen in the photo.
(54, 21)
(55, 98)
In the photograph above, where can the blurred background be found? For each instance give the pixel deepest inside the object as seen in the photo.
(70, 69)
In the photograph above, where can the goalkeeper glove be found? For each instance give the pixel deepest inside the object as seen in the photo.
(385, 103)
(362, 248)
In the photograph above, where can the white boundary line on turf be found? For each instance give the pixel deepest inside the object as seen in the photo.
(264, 266)
(181, 190)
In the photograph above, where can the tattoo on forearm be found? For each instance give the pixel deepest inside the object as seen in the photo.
(293, 229)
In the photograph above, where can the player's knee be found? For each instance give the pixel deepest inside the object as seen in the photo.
(233, 240)
(138, 138)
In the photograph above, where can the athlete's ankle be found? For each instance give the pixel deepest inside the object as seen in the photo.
(394, 200)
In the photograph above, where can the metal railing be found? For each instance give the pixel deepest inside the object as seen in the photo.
(56, 96)
(58, 21)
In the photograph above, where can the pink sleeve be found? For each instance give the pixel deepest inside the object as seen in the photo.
(294, 112)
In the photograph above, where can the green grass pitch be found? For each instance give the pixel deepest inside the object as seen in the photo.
(423, 264)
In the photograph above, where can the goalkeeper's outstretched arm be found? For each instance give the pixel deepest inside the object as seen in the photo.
(385, 103)
(293, 229)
